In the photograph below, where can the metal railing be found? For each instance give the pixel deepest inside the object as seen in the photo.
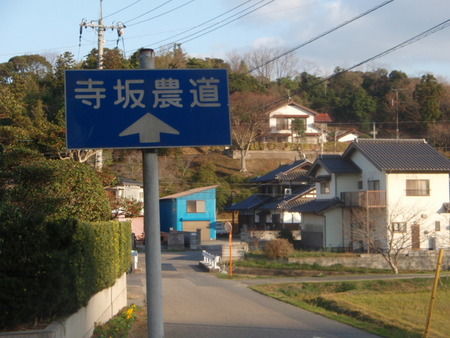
(365, 199)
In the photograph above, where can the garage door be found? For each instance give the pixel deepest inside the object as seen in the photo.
(192, 226)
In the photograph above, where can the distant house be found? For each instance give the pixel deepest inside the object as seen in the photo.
(385, 189)
(128, 189)
(190, 210)
(347, 135)
(285, 119)
(272, 207)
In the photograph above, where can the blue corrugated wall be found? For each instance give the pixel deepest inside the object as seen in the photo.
(174, 211)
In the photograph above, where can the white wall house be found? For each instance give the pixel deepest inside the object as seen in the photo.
(282, 125)
(128, 189)
(377, 188)
(347, 136)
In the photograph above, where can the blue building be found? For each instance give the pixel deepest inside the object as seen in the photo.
(190, 210)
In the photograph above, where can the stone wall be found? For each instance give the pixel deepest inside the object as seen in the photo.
(420, 260)
(238, 251)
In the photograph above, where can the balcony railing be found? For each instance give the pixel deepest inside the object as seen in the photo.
(365, 199)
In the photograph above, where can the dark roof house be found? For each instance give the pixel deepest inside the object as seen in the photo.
(400, 155)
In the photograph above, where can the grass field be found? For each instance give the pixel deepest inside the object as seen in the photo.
(395, 308)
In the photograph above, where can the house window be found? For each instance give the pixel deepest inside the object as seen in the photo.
(360, 185)
(196, 206)
(373, 185)
(325, 187)
(399, 226)
(437, 226)
(282, 124)
(417, 187)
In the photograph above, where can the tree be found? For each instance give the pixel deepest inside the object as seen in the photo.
(127, 207)
(43, 189)
(389, 235)
(428, 94)
(268, 65)
(299, 126)
(249, 120)
(112, 59)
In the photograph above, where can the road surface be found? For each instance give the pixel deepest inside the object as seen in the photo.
(198, 304)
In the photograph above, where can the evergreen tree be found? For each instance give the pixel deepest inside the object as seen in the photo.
(427, 94)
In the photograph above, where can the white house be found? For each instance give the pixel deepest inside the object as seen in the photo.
(378, 188)
(283, 128)
(128, 189)
(347, 136)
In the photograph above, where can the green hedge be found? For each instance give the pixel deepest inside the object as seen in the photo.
(52, 269)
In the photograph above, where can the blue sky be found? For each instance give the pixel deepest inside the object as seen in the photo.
(50, 27)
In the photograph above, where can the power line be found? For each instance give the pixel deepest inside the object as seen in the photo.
(405, 43)
(153, 9)
(203, 23)
(322, 35)
(163, 13)
(122, 9)
(220, 26)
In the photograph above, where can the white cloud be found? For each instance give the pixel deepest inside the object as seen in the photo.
(267, 42)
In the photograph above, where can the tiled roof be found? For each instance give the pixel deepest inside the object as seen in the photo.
(334, 164)
(322, 118)
(286, 202)
(295, 104)
(189, 192)
(400, 155)
(129, 181)
(249, 203)
(316, 206)
(288, 171)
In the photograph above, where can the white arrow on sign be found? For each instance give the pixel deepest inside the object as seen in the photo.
(149, 128)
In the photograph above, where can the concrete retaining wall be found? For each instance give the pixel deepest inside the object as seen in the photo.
(101, 307)
(425, 260)
(238, 251)
(268, 154)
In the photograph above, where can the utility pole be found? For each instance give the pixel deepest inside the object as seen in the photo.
(374, 131)
(395, 106)
(101, 28)
(396, 112)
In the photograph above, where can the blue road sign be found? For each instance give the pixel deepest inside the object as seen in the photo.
(147, 108)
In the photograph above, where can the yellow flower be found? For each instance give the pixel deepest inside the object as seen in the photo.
(129, 312)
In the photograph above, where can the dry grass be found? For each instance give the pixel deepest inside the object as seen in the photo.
(388, 308)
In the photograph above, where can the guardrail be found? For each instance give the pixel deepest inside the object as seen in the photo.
(210, 261)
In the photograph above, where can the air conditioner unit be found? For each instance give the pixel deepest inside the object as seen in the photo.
(287, 191)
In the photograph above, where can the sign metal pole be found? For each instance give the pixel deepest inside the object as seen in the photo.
(155, 320)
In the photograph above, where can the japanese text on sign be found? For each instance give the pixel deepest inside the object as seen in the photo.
(167, 92)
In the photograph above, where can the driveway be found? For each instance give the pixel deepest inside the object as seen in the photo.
(198, 304)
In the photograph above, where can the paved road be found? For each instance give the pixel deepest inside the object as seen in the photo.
(197, 304)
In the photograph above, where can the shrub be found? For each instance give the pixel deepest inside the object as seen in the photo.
(53, 189)
(286, 234)
(278, 248)
(51, 269)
